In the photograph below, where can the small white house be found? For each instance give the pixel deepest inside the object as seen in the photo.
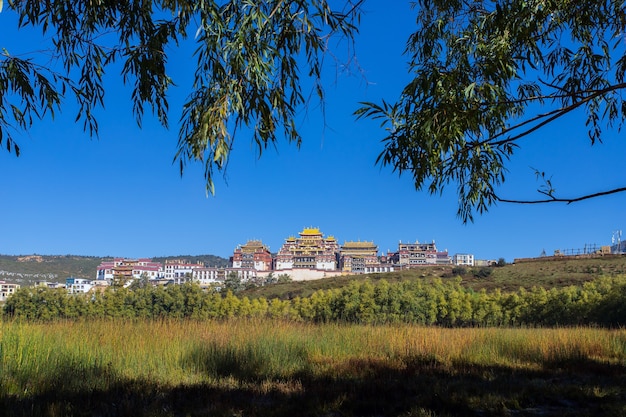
(7, 290)
(78, 285)
(463, 259)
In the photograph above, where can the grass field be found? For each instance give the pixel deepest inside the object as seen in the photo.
(274, 368)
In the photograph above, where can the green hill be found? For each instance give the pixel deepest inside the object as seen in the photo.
(549, 272)
(545, 272)
(27, 269)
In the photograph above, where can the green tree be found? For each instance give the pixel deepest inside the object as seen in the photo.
(270, 279)
(250, 59)
(321, 305)
(487, 74)
(119, 281)
(387, 299)
(229, 306)
(245, 308)
(283, 278)
(259, 307)
(141, 282)
(177, 303)
(279, 309)
(459, 270)
(302, 309)
(233, 283)
(22, 304)
(194, 298)
(142, 301)
(482, 272)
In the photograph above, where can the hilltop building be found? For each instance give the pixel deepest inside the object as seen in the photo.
(411, 255)
(253, 255)
(7, 289)
(178, 270)
(213, 276)
(48, 284)
(310, 255)
(463, 259)
(78, 285)
(311, 250)
(129, 269)
(356, 257)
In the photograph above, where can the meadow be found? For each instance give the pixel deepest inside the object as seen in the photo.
(266, 367)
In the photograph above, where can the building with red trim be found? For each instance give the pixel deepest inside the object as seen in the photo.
(253, 255)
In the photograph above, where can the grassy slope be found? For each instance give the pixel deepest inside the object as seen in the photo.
(550, 272)
(543, 272)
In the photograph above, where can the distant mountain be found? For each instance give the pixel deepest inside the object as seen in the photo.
(27, 269)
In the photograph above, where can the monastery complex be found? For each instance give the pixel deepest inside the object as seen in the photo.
(309, 255)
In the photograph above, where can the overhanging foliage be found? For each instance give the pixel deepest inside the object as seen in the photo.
(249, 63)
(487, 73)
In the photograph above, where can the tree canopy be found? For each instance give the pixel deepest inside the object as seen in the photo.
(484, 74)
(487, 73)
(248, 65)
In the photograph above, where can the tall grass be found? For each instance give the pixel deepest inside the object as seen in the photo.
(276, 368)
(74, 356)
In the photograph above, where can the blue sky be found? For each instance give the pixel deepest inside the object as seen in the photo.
(120, 195)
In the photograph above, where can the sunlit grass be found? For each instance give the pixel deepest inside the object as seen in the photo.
(284, 357)
(174, 352)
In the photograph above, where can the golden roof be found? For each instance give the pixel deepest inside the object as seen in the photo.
(253, 245)
(310, 231)
(359, 244)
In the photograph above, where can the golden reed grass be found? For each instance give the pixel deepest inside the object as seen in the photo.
(267, 353)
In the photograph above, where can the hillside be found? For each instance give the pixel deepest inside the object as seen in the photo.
(546, 272)
(549, 272)
(26, 269)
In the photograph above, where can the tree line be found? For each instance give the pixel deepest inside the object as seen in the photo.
(440, 302)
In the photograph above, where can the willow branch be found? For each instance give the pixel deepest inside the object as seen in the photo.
(552, 115)
(563, 200)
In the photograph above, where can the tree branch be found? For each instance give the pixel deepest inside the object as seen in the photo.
(553, 115)
(563, 200)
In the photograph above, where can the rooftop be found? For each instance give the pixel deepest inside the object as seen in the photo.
(352, 244)
(310, 231)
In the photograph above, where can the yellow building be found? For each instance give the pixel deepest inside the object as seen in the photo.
(355, 257)
(311, 250)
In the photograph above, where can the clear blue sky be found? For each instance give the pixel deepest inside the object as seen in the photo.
(122, 196)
